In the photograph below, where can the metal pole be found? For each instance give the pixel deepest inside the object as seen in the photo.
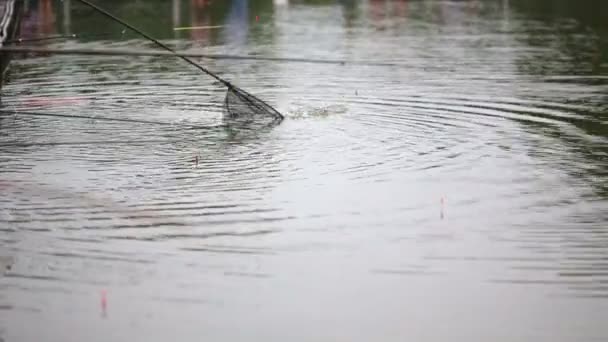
(177, 16)
(67, 17)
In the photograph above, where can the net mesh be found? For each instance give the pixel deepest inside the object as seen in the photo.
(241, 106)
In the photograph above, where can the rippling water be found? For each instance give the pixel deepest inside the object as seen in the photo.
(456, 192)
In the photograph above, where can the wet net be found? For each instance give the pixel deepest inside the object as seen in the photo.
(239, 105)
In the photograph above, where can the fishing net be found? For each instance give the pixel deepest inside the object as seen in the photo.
(241, 106)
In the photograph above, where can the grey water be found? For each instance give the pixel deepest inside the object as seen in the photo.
(447, 182)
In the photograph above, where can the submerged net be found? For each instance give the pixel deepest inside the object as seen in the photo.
(241, 106)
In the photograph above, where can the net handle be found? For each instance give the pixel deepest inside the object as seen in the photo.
(188, 60)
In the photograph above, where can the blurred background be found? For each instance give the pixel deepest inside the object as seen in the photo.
(441, 174)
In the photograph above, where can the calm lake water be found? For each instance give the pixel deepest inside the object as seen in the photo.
(448, 182)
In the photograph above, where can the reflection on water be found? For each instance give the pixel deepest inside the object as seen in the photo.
(458, 192)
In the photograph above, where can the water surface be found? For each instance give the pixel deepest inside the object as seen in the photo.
(458, 191)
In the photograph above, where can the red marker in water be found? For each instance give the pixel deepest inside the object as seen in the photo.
(104, 302)
(257, 18)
